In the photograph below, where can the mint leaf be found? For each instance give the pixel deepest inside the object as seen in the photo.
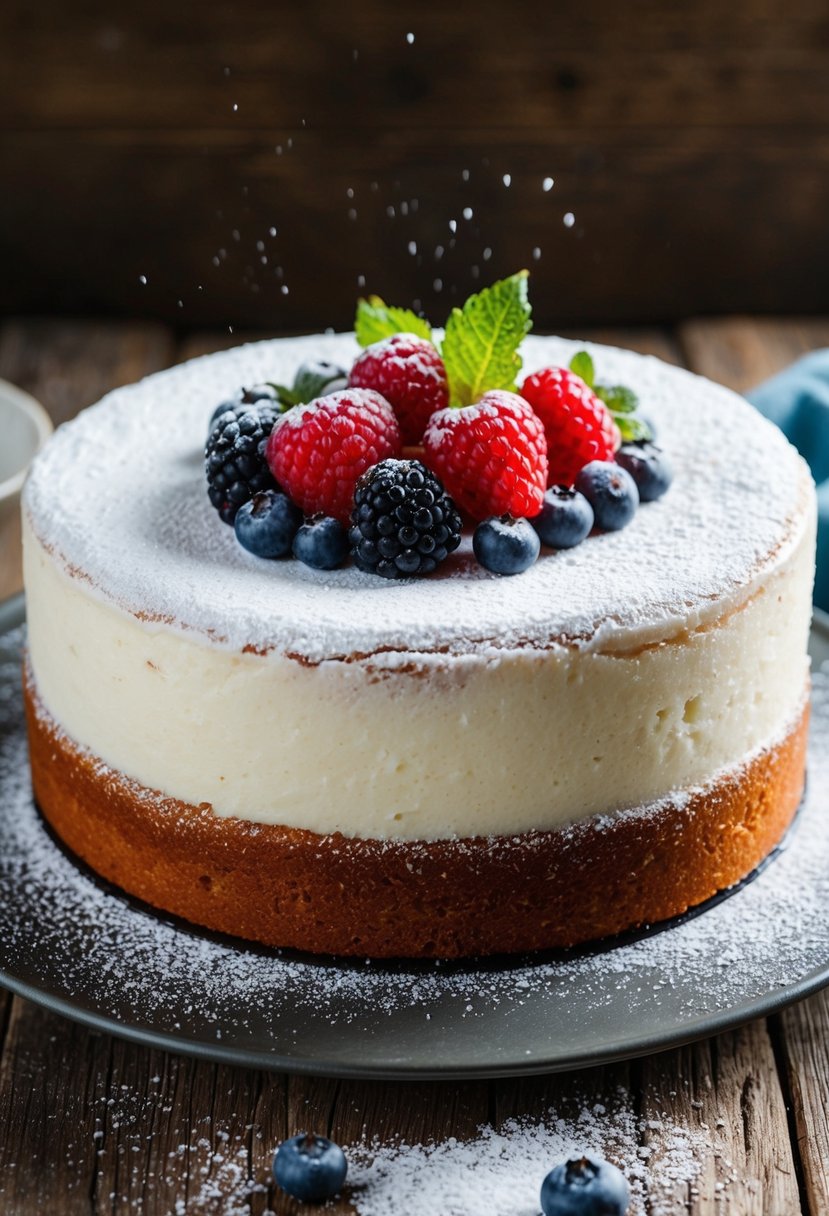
(376, 320)
(617, 398)
(632, 429)
(286, 398)
(480, 348)
(582, 365)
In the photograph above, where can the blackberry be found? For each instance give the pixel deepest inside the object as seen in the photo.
(258, 395)
(235, 457)
(404, 523)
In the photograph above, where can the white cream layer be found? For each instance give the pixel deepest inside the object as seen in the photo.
(486, 743)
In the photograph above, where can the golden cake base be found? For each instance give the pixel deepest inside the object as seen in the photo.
(340, 895)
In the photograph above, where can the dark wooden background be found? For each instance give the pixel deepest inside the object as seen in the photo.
(689, 140)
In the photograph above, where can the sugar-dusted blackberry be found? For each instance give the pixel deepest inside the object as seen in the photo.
(235, 457)
(259, 394)
(403, 523)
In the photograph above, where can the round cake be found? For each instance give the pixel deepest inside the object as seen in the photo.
(453, 765)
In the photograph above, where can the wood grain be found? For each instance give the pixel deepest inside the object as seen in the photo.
(803, 1036)
(166, 141)
(728, 1092)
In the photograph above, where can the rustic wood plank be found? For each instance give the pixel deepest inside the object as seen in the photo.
(190, 220)
(803, 1037)
(742, 351)
(748, 66)
(67, 365)
(728, 1090)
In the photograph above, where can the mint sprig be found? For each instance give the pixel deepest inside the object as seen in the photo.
(376, 320)
(480, 346)
(619, 399)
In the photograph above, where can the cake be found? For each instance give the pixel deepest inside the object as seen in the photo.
(454, 765)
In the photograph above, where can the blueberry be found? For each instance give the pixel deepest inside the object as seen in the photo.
(267, 524)
(585, 1186)
(611, 492)
(648, 466)
(317, 378)
(322, 543)
(565, 519)
(505, 545)
(245, 396)
(309, 1168)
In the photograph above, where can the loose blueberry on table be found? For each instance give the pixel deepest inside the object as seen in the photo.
(309, 1168)
(585, 1186)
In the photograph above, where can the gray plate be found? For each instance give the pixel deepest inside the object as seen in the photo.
(83, 949)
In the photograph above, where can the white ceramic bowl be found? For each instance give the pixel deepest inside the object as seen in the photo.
(24, 428)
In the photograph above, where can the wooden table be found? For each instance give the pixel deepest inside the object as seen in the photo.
(91, 1124)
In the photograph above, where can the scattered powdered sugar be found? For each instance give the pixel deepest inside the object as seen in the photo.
(119, 494)
(499, 1172)
(65, 934)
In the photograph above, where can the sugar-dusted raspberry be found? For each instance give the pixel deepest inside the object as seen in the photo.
(321, 449)
(491, 456)
(578, 425)
(410, 374)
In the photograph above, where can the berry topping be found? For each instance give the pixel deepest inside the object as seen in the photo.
(403, 523)
(578, 425)
(309, 1168)
(611, 492)
(585, 1186)
(491, 456)
(321, 542)
(409, 373)
(317, 378)
(267, 524)
(264, 393)
(319, 451)
(505, 545)
(648, 466)
(235, 460)
(565, 519)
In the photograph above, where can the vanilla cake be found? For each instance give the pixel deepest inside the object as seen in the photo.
(459, 764)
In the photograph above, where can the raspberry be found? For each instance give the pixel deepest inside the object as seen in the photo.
(403, 522)
(410, 374)
(491, 456)
(578, 425)
(235, 458)
(317, 452)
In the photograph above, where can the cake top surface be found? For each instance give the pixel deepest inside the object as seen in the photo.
(119, 497)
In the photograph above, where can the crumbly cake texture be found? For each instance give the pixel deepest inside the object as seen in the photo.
(422, 899)
(118, 497)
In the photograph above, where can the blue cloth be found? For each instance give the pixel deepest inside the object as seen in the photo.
(797, 400)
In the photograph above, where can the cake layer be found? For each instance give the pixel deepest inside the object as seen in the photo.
(431, 748)
(332, 894)
(119, 499)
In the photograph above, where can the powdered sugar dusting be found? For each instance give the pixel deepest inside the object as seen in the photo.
(120, 495)
(500, 1170)
(63, 933)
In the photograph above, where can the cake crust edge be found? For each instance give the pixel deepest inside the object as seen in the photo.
(288, 887)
